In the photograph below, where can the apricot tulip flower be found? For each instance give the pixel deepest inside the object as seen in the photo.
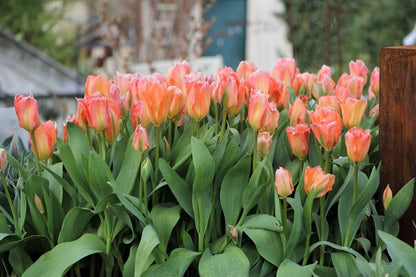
(315, 178)
(45, 137)
(358, 143)
(27, 112)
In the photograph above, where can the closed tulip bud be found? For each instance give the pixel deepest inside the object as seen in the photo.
(271, 120)
(27, 112)
(3, 158)
(39, 204)
(233, 232)
(140, 139)
(264, 141)
(138, 111)
(245, 68)
(324, 71)
(257, 109)
(297, 112)
(45, 137)
(358, 68)
(358, 143)
(315, 178)
(178, 102)
(96, 84)
(97, 112)
(298, 137)
(285, 70)
(375, 113)
(199, 100)
(387, 197)
(353, 112)
(283, 182)
(175, 73)
(326, 126)
(375, 82)
(146, 169)
(113, 127)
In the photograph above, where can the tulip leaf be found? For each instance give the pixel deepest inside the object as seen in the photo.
(268, 244)
(98, 175)
(232, 263)
(263, 221)
(179, 187)
(65, 184)
(144, 257)
(232, 189)
(400, 251)
(344, 264)
(204, 174)
(296, 226)
(164, 219)
(57, 261)
(176, 265)
(129, 169)
(54, 185)
(289, 268)
(74, 224)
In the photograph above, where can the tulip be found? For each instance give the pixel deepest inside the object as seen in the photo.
(375, 113)
(375, 82)
(82, 111)
(355, 84)
(73, 119)
(298, 137)
(343, 93)
(257, 109)
(3, 158)
(157, 99)
(140, 139)
(387, 197)
(353, 112)
(358, 143)
(326, 126)
(358, 68)
(327, 85)
(260, 80)
(297, 84)
(97, 112)
(315, 178)
(27, 112)
(39, 204)
(113, 126)
(96, 84)
(264, 141)
(45, 137)
(178, 102)
(271, 120)
(137, 110)
(244, 69)
(329, 101)
(283, 182)
(297, 112)
(123, 82)
(175, 73)
(324, 71)
(285, 70)
(198, 101)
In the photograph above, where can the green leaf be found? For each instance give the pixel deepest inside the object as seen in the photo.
(179, 187)
(164, 219)
(98, 175)
(263, 221)
(176, 265)
(148, 242)
(344, 264)
(24, 173)
(19, 259)
(127, 176)
(232, 189)
(75, 222)
(400, 251)
(77, 141)
(232, 263)
(399, 204)
(268, 244)
(254, 189)
(289, 268)
(65, 184)
(296, 226)
(57, 261)
(54, 185)
(204, 174)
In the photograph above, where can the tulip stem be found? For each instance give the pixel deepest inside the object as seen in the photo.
(223, 123)
(284, 217)
(170, 132)
(354, 192)
(9, 199)
(255, 151)
(327, 158)
(306, 253)
(141, 183)
(322, 211)
(35, 152)
(302, 162)
(197, 126)
(155, 196)
(216, 117)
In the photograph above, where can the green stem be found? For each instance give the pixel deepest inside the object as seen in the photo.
(92, 266)
(36, 153)
(9, 199)
(255, 151)
(284, 217)
(126, 128)
(146, 202)
(305, 254)
(197, 126)
(108, 233)
(170, 132)
(223, 123)
(322, 211)
(243, 216)
(216, 117)
(141, 184)
(155, 196)
(327, 158)
(354, 192)
(302, 162)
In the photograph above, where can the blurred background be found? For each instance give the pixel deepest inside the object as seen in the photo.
(48, 47)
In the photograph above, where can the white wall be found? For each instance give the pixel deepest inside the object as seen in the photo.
(266, 39)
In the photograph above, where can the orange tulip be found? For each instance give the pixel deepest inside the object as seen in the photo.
(260, 80)
(45, 137)
(387, 197)
(297, 112)
(175, 73)
(285, 70)
(283, 182)
(358, 68)
(157, 99)
(96, 84)
(82, 112)
(73, 119)
(326, 126)
(137, 110)
(315, 178)
(257, 109)
(199, 100)
(123, 82)
(271, 120)
(113, 127)
(298, 137)
(140, 139)
(329, 101)
(358, 143)
(3, 158)
(97, 112)
(245, 68)
(375, 82)
(27, 112)
(264, 141)
(327, 85)
(353, 112)
(355, 84)
(324, 71)
(178, 102)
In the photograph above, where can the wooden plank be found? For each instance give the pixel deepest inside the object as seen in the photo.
(397, 123)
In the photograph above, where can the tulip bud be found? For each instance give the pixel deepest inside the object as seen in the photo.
(387, 197)
(358, 143)
(45, 137)
(3, 158)
(39, 204)
(178, 102)
(27, 112)
(97, 112)
(375, 82)
(297, 112)
(95, 84)
(233, 232)
(358, 68)
(298, 137)
(257, 109)
(353, 112)
(140, 139)
(147, 169)
(283, 182)
(264, 141)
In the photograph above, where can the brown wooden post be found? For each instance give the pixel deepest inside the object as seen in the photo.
(397, 121)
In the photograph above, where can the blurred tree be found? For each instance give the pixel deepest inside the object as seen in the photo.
(36, 22)
(333, 32)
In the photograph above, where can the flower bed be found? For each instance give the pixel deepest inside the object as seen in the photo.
(243, 173)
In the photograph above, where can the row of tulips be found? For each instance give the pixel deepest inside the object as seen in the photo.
(211, 175)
